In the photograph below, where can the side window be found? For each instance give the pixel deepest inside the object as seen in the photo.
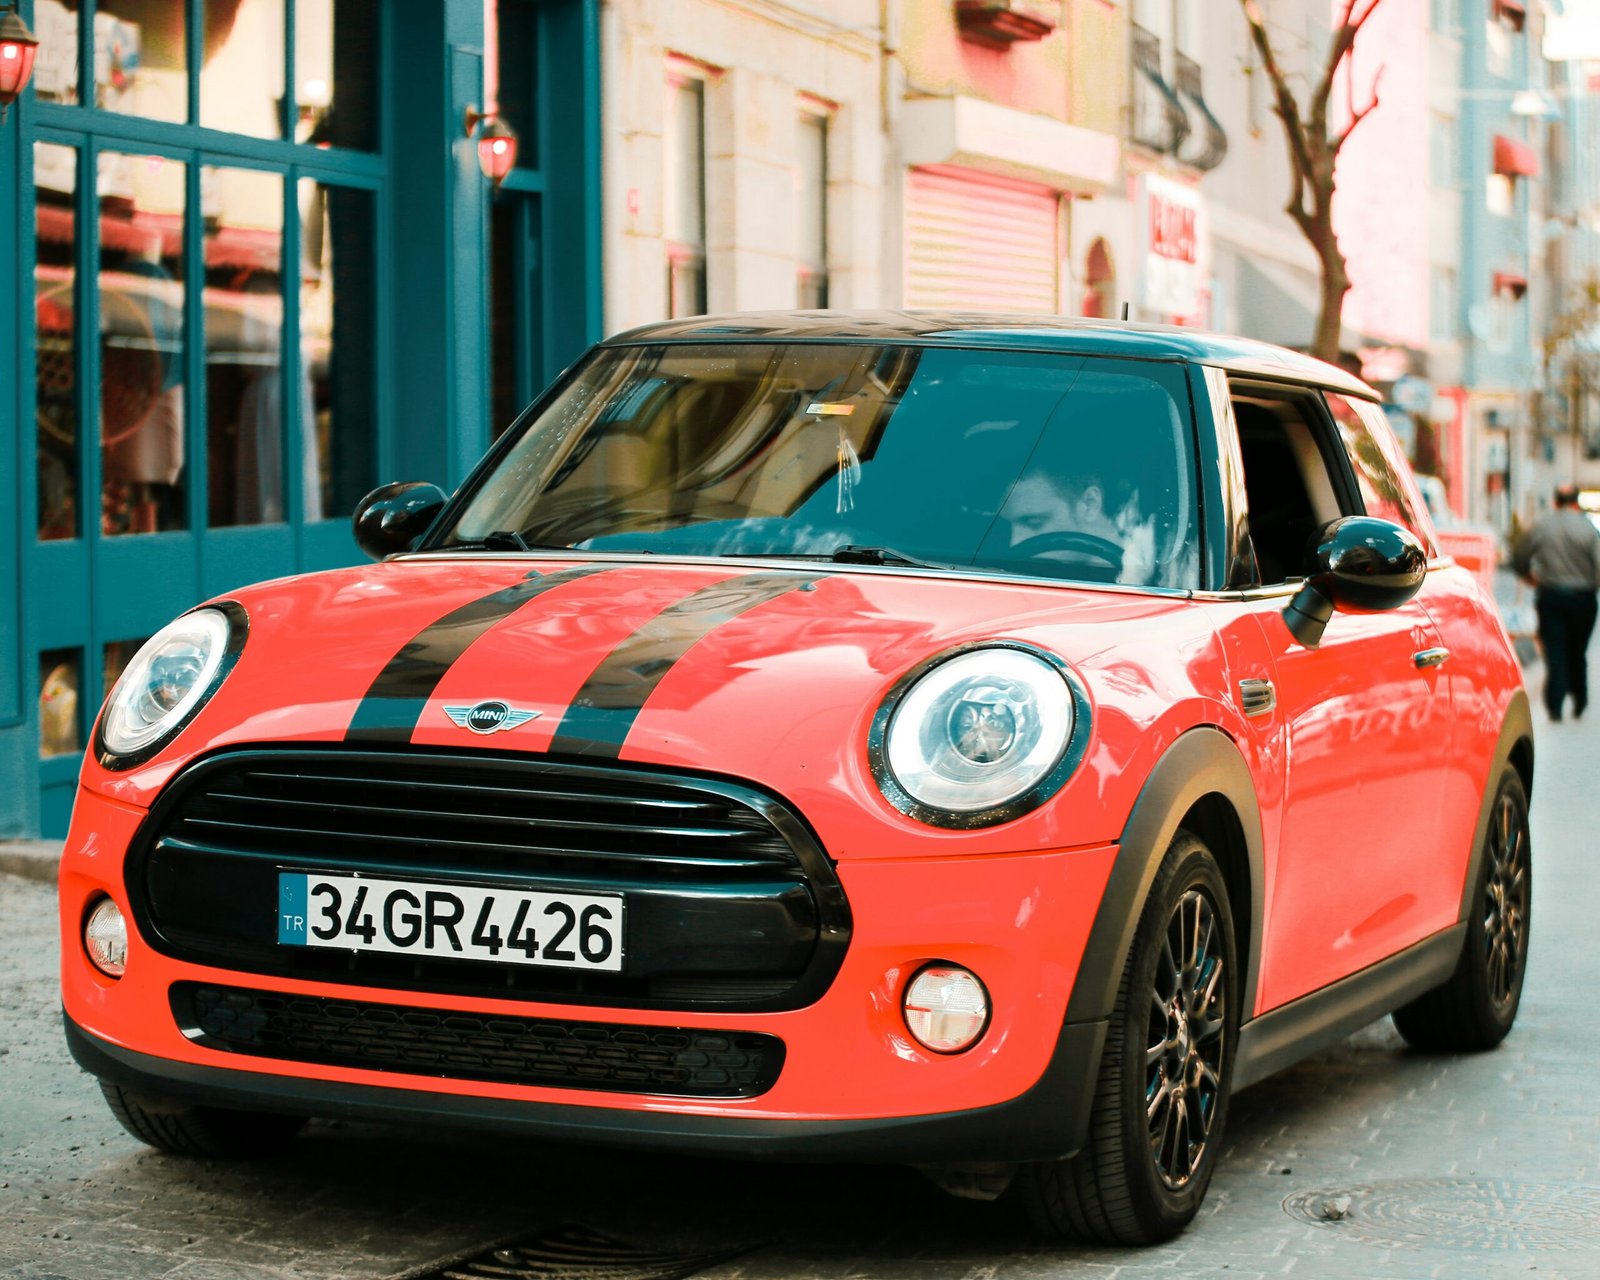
(1288, 487)
(1379, 472)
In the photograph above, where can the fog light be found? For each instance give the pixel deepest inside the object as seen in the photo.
(105, 938)
(946, 1008)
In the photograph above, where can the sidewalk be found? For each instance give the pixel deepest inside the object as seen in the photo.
(31, 859)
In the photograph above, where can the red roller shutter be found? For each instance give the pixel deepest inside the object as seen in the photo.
(975, 244)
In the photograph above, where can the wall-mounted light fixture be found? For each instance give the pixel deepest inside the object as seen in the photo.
(17, 51)
(497, 143)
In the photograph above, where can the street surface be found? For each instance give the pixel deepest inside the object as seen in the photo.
(1367, 1161)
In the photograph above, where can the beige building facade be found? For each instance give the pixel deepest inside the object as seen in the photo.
(743, 156)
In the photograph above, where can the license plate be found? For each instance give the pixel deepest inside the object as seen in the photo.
(461, 922)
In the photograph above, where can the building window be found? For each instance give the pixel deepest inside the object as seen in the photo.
(1444, 159)
(1444, 303)
(1500, 195)
(811, 215)
(1446, 16)
(685, 221)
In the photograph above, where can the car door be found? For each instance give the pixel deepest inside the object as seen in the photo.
(1364, 716)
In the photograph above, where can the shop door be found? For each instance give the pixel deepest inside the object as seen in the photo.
(975, 243)
(204, 340)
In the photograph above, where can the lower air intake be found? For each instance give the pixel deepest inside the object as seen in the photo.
(620, 1057)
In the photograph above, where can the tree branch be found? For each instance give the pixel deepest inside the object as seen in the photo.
(1358, 116)
(1286, 108)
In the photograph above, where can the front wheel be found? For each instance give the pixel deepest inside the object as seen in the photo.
(200, 1131)
(1474, 1010)
(1162, 1094)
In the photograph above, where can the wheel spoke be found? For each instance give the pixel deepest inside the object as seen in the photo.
(1163, 1094)
(1176, 1148)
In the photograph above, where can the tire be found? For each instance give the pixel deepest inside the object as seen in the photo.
(1474, 1010)
(200, 1131)
(1140, 1177)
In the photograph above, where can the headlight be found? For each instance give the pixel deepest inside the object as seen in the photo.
(168, 680)
(979, 738)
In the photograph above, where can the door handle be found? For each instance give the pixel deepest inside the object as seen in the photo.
(1425, 658)
(1257, 697)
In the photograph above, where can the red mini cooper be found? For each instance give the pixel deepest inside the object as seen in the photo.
(975, 742)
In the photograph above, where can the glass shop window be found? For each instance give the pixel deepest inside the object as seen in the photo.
(337, 299)
(243, 251)
(115, 658)
(241, 79)
(141, 59)
(55, 339)
(141, 289)
(511, 70)
(336, 73)
(60, 722)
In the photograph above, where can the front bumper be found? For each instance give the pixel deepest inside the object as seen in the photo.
(1045, 1123)
(853, 1084)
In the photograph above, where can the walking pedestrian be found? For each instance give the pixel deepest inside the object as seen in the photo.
(1560, 559)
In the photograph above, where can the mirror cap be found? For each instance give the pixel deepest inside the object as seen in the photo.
(392, 517)
(1359, 564)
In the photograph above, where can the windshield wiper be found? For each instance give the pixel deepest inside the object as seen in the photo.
(851, 553)
(506, 540)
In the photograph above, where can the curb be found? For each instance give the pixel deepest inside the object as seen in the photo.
(31, 859)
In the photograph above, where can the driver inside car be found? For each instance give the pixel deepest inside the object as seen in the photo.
(1112, 529)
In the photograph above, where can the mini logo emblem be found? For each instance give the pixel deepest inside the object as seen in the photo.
(489, 717)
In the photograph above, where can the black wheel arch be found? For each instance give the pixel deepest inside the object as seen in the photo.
(1201, 783)
(1513, 747)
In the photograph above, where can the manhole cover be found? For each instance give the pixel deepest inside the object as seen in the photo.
(1483, 1214)
(571, 1253)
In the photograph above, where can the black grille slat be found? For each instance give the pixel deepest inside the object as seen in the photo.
(531, 822)
(730, 902)
(619, 1057)
(327, 840)
(532, 791)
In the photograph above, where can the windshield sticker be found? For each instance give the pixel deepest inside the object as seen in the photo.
(849, 473)
(830, 409)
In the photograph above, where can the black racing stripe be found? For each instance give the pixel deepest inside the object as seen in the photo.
(394, 704)
(603, 711)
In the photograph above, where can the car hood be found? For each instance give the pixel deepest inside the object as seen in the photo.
(762, 671)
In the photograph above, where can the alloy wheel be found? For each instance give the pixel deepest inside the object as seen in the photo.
(1185, 1045)
(1505, 901)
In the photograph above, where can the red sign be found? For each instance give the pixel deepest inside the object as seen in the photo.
(1171, 229)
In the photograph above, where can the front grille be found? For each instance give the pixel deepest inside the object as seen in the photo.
(730, 901)
(685, 1061)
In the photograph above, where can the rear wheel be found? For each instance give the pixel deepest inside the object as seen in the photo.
(1475, 1009)
(200, 1131)
(1162, 1094)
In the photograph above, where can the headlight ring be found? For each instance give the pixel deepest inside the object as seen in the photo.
(172, 676)
(961, 744)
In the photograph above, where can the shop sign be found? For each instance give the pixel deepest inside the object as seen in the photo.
(1174, 249)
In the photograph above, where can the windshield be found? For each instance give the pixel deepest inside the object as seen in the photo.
(1000, 461)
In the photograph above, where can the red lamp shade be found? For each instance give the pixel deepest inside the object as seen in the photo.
(17, 51)
(497, 149)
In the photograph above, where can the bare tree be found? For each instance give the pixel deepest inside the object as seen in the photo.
(1314, 142)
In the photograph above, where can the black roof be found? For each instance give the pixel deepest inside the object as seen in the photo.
(993, 329)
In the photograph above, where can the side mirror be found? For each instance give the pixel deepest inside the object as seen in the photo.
(1359, 564)
(393, 516)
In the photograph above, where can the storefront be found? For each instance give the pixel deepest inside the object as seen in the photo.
(264, 265)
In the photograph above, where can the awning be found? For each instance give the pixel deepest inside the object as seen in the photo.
(1514, 159)
(1510, 282)
(1513, 11)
